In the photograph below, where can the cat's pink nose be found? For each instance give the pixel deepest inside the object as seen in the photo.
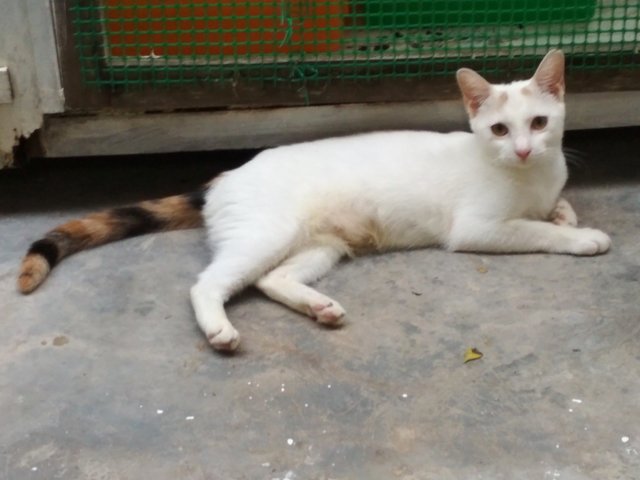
(523, 153)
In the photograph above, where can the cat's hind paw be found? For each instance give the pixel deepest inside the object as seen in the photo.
(330, 314)
(564, 214)
(226, 340)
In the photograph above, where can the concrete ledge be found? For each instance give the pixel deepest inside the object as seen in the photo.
(65, 136)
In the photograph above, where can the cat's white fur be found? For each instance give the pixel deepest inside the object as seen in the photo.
(284, 219)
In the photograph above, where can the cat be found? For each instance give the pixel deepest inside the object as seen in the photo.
(282, 220)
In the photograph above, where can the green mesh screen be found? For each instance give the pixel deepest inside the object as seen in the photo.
(128, 43)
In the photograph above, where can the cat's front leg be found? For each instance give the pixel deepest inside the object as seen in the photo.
(522, 236)
(564, 214)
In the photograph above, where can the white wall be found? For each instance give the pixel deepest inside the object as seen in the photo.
(27, 49)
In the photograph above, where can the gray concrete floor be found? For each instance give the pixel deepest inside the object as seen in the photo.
(104, 374)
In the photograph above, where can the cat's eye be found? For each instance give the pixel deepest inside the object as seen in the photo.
(499, 129)
(538, 123)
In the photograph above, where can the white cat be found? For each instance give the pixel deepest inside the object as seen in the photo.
(285, 218)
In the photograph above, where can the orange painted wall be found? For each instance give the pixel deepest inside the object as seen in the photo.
(225, 27)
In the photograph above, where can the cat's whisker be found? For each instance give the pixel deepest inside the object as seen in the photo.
(575, 157)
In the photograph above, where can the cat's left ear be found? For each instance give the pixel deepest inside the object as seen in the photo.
(475, 89)
(550, 74)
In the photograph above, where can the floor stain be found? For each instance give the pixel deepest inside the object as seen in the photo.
(60, 341)
(482, 268)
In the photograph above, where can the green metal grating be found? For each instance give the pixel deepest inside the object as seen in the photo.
(133, 43)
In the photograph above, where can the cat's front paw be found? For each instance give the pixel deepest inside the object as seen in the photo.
(589, 241)
(226, 340)
(330, 314)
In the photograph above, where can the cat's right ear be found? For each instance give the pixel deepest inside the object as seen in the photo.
(475, 89)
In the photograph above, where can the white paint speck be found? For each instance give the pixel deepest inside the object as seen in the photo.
(139, 406)
(404, 395)
(282, 389)
(250, 397)
(306, 405)
(290, 441)
(34, 469)
(190, 417)
(266, 464)
(571, 410)
(557, 445)
(249, 382)
(329, 386)
(624, 439)
(159, 412)
(576, 400)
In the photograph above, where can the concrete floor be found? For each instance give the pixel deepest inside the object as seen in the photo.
(104, 374)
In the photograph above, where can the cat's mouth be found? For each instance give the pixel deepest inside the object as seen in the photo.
(520, 163)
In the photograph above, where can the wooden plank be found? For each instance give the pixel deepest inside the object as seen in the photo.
(237, 129)
(234, 129)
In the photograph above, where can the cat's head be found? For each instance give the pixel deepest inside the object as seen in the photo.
(521, 123)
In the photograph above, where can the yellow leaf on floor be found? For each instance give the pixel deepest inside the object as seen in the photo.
(472, 354)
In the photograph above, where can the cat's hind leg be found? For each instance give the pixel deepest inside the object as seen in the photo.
(563, 214)
(238, 262)
(286, 283)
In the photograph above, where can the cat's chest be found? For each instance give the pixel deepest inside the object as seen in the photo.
(534, 198)
(530, 195)
(536, 205)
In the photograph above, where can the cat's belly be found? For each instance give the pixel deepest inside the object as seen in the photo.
(373, 229)
(425, 232)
